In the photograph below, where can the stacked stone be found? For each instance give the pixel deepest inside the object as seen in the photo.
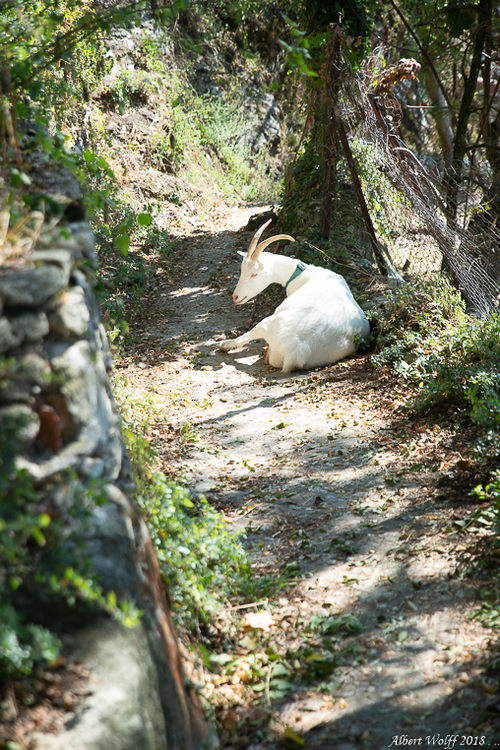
(58, 386)
(54, 386)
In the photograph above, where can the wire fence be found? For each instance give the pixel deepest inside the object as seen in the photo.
(467, 248)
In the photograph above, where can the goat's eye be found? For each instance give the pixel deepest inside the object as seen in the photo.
(253, 276)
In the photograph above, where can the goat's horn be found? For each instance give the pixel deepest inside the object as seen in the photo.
(256, 238)
(267, 242)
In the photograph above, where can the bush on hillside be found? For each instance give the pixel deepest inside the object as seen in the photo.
(450, 357)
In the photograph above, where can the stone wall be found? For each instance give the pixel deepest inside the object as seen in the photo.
(57, 384)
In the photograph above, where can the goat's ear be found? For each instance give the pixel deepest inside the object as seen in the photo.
(240, 252)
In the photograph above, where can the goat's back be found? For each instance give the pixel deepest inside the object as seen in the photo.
(317, 324)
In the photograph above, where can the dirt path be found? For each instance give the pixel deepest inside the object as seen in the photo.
(323, 475)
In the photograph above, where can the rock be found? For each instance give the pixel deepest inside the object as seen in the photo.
(58, 183)
(378, 303)
(81, 243)
(106, 351)
(34, 368)
(61, 258)
(23, 419)
(68, 457)
(31, 287)
(75, 363)
(30, 373)
(269, 132)
(257, 220)
(9, 338)
(32, 325)
(71, 315)
(315, 703)
(92, 468)
(123, 711)
(109, 541)
(90, 416)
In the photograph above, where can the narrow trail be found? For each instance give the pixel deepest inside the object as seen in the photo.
(322, 473)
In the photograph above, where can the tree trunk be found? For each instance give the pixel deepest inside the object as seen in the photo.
(470, 85)
(441, 115)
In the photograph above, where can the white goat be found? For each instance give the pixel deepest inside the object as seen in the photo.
(316, 325)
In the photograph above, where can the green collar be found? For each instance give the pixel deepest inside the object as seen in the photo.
(300, 267)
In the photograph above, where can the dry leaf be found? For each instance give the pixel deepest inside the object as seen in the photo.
(291, 735)
(248, 642)
(258, 620)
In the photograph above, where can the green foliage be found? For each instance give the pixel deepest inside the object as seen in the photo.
(335, 624)
(305, 178)
(130, 88)
(202, 563)
(51, 54)
(37, 36)
(22, 645)
(448, 356)
(34, 553)
(316, 16)
(489, 611)
(124, 276)
(386, 205)
(298, 54)
(222, 130)
(162, 153)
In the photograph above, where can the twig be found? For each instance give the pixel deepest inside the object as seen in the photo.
(246, 606)
(337, 262)
(12, 696)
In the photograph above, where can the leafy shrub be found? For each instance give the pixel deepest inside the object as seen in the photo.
(448, 356)
(130, 87)
(22, 645)
(202, 563)
(386, 205)
(161, 152)
(489, 611)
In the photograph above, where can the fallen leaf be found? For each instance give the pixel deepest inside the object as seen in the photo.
(258, 620)
(248, 642)
(290, 734)
(220, 658)
(489, 686)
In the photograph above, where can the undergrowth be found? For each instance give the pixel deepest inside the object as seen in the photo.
(449, 358)
(450, 361)
(487, 518)
(203, 564)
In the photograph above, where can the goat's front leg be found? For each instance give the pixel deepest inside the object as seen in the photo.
(257, 332)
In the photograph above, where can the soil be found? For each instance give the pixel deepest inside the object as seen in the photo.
(326, 472)
(45, 701)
